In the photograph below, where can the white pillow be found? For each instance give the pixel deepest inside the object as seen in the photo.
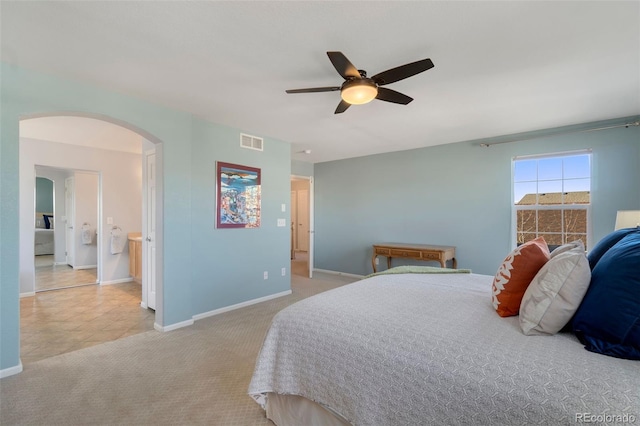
(566, 247)
(555, 292)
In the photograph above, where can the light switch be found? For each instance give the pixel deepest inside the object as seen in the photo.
(109, 221)
(281, 222)
(284, 207)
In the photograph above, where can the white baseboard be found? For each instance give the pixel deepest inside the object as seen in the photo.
(120, 281)
(85, 267)
(172, 327)
(344, 274)
(240, 305)
(11, 371)
(59, 263)
(27, 294)
(143, 305)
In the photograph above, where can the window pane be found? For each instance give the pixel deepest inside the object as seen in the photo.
(576, 167)
(525, 193)
(524, 170)
(524, 237)
(575, 221)
(549, 168)
(550, 192)
(552, 239)
(551, 189)
(579, 185)
(550, 221)
(526, 221)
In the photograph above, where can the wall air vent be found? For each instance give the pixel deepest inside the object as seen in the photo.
(251, 142)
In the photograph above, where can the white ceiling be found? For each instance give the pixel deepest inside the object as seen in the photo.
(500, 67)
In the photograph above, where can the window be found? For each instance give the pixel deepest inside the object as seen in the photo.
(552, 198)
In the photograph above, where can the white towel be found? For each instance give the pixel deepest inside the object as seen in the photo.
(86, 236)
(117, 240)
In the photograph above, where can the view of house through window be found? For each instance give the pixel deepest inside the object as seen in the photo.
(552, 198)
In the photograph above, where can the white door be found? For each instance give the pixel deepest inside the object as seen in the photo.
(70, 208)
(149, 244)
(303, 220)
(294, 233)
(311, 227)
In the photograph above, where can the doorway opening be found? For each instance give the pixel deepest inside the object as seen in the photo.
(85, 152)
(66, 237)
(302, 226)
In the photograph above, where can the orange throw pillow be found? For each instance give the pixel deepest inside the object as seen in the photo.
(515, 274)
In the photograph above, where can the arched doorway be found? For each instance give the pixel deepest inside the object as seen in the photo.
(94, 143)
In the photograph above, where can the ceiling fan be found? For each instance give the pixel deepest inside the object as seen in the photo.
(360, 89)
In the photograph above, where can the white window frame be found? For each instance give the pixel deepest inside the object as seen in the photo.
(515, 208)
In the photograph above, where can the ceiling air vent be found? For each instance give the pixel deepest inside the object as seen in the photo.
(251, 142)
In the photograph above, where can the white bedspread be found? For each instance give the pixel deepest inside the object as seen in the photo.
(430, 349)
(43, 241)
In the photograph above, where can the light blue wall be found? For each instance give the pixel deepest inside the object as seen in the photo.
(44, 195)
(189, 148)
(301, 168)
(457, 194)
(231, 262)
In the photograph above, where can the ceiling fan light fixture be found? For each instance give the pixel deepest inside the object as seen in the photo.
(359, 91)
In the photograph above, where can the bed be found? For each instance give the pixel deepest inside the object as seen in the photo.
(43, 242)
(43, 239)
(409, 349)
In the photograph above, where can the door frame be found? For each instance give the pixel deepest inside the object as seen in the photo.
(311, 221)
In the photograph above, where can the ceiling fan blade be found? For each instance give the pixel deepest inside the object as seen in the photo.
(389, 95)
(344, 67)
(342, 107)
(314, 89)
(402, 72)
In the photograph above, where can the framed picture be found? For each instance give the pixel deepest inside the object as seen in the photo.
(238, 196)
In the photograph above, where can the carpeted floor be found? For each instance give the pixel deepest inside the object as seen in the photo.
(195, 375)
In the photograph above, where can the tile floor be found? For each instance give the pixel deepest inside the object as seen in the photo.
(49, 276)
(54, 322)
(59, 321)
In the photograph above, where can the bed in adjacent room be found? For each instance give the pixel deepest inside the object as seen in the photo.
(407, 349)
(43, 238)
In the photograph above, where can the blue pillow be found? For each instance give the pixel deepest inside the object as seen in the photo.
(608, 319)
(606, 243)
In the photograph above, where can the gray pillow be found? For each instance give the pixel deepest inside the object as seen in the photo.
(555, 292)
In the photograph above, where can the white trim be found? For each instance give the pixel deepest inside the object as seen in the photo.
(59, 263)
(11, 371)
(552, 155)
(85, 267)
(172, 327)
(240, 305)
(344, 274)
(121, 280)
(27, 294)
(143, 305)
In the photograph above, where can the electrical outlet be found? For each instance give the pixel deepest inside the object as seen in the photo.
(284, 271)
(266, 275)
(281, 222)
(377, 261)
